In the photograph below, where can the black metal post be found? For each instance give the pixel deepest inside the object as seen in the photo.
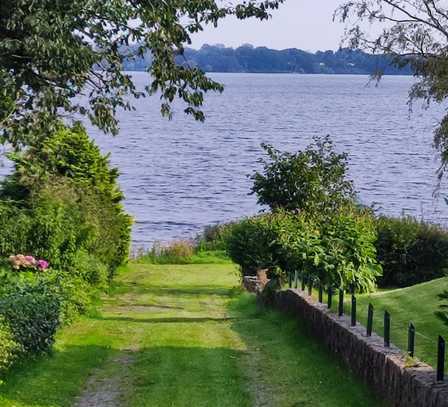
(386, 329)
(290, 279)
(411, 340)
(310, 286)
(321, 292)
(441, 359)
(353, 310)
(330, 296)
(370, 320)
(303, 281)
(296, 279)
(341, 302)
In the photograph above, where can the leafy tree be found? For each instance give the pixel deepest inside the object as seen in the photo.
(66, 198)
(414, 33)
(313, 180)
(67, 153)
(52, 52)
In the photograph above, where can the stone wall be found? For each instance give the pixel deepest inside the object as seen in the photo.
(384, 369)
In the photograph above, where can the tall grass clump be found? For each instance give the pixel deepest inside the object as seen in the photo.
(181, 252)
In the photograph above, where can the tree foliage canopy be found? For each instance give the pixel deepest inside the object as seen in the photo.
(414, 33)
(53, 51)
(313, 180)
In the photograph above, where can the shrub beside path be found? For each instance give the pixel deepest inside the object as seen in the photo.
(183, 336)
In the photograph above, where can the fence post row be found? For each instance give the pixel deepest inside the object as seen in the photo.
(353, 310)
(341, 302)
(441, 359)
(310, 286)
(411, 340)
(386, 329)
(330, 296)
(441, 351)
(369, 320)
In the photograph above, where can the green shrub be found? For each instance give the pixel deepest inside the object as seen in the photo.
(337, 250)
(350, 258)
(67, 153)
(90, 269)
(73, 292)
(253, 244)
(410, 251)
(214, 237)
(15, 227)
(10, 350)
(313, 180)
(63, 198)
(31, 310)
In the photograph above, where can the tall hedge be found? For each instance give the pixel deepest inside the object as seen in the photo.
(410, 251)
(62, 198)
(337, 250)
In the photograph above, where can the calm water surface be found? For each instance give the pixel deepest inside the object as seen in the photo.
(180, 175)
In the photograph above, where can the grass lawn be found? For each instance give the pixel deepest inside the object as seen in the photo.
(417, 304)
(184, 335)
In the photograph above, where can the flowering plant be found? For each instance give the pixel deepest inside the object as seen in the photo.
(20, 262)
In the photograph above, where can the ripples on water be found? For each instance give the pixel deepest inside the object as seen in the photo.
(180, 175)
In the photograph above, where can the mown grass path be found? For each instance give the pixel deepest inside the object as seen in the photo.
(183, 336)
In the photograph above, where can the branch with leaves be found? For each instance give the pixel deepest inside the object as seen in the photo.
(53, 51)
(414, 33)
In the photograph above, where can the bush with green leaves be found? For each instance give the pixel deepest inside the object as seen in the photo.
(90, 269)
(337, 250)
(350, 258)
(62, 203)
(410, 251)
(10, 350)
(313, 180)
(32, 312)
(214, 237)
(67, 153)
(63, 198)
(252, 244)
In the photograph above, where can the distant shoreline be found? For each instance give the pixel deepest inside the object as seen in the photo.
(248, 59)
(290, 73)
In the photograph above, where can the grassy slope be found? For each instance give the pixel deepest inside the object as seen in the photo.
(417, 304)
(196, 340)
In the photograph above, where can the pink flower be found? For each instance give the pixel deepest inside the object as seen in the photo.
(27, 262)
(42, 264)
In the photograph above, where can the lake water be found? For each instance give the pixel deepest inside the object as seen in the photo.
(181, 175)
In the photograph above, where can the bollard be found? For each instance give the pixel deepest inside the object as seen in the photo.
(321, 292)
(310, 286)
(370, 320)
(341, 302)
(330, 296)
(353, 310)
(441, 359)
(386, 329)
(303, 282)
(296, 279)
(290, 279)
(411, 340)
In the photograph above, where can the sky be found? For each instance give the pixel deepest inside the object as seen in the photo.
(304, 24)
